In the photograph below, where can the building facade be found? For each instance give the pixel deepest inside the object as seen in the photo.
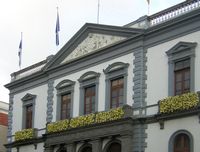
(3, 125)
(114, 89)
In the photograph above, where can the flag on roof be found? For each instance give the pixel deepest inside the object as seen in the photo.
(57, 29)
(148, 1)
(20, 51)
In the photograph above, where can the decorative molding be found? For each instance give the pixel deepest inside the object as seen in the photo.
(89, 75)
(115, 66)
(88, 79)
(114, 71)
(92, 43)
(64, 87)
(64, 83)
(181, 51)
(28, 99)
(50, 95)
(172, 139)
(28, 96)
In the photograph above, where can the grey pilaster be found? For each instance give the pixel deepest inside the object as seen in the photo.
(139, 137)
(10, 115)
(139, 78)
(50, 95)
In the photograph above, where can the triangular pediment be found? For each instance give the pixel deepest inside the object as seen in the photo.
(89, 39)
(180, 47)
(92, 43)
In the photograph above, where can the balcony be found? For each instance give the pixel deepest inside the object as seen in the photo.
(179, 103)
(26, 134)
(90, 119)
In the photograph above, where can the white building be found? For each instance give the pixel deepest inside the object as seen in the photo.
(104, 67)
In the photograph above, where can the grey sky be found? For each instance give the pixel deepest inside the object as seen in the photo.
(37, 18)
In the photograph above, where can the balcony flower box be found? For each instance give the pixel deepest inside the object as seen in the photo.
(90, 119)
(25, 134)
(178, 103)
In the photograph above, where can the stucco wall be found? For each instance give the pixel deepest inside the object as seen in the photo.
(40, 108)
(157, 140)
(157, 68)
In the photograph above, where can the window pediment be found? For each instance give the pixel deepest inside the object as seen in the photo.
(180, 47)
(89, 75)
(28, 96)
(64, 83)
(115, 66)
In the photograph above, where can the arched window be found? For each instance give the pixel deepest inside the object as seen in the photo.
(114, 147)
(182, 143)
(87, 149)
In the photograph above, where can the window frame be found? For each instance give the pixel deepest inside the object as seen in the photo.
(64, 87)
(28, 100)
(174, 135)
(181, 51)
(88, 79)
(114, 71)
(182, 72)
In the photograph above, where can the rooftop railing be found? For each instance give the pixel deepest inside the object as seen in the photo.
(174, 11)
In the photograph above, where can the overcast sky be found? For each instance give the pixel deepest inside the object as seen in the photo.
(37, 19)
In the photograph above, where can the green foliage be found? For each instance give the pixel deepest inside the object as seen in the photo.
(86, 120)
(24, 134)
(179, 103)
(113, 114)
(58, 126)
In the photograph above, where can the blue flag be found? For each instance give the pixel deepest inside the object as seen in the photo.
(20, 52)
(57, 29)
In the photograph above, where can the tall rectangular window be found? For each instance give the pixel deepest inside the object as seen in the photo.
(89, 100)
(182, 77)
(29, 116)
(65, 106)
(117, 93)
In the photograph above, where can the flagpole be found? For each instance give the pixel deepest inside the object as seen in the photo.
(20, 51)
(98, 12)
(57, 30)
(148, 1)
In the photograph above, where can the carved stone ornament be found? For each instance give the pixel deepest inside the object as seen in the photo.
(92, 43)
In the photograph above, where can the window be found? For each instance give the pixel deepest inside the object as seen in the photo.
(89, 102)
(89, 85)
(181, 60)
(65, 91)
(28, 111)
(182, 77)
(116, 85)
(29, 116)
(85, 148)
(65, 106)
(181, 141)
(117, 93)
(114, 147)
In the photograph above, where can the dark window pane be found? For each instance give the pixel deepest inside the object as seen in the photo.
(182, 143)
(89, 100)
(65, 106)
(182, 77)
(117, 92)
(29, 117)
